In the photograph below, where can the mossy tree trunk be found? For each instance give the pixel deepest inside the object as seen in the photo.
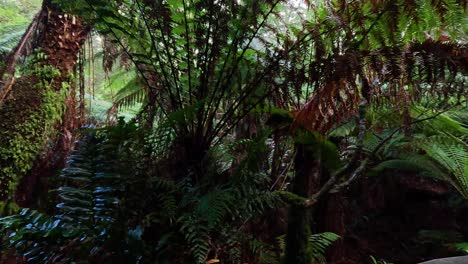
(61, 41)
(59, 37)
(299, 219)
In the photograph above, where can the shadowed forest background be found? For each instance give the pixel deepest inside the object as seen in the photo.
(237, 131)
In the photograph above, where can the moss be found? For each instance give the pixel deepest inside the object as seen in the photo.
(8, 208)
(292, 198)
(26, 128)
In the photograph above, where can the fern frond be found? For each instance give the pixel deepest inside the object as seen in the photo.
(318, 244)
(89, 200)
(196, 234)
(9, 40)
(343, 130)
(215, 205)
(442, 122)
(132, 93)
(420, 164)
(453, 156)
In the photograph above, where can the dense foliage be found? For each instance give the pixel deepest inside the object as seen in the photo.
(250, 109)
(15, 17)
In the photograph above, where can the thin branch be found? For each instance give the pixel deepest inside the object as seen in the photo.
(337, 175)
(331, 187)
(286, 169)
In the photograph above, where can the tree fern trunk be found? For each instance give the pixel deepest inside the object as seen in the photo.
(60, 38)
(299, 217)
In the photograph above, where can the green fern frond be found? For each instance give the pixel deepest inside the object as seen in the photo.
(9, 40)
(89, 200)
(420, 164)
(442, 122)
(197, 235)
(318, 244)
(460, 115)
(215, 205)
(390, 148)
(343, 130)
(132, 93)
(453, 156)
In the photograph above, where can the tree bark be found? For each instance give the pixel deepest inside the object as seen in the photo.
(60, 39)
(299, 220)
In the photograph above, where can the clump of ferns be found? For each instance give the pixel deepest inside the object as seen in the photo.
(92, 217)
(102, 215)
(206, 220)
(436, 148)
(209, 219)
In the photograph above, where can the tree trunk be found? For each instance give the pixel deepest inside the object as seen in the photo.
(299, 220)
(329, 216)
(60, 39)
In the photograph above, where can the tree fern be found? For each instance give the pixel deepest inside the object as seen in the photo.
(206, 65)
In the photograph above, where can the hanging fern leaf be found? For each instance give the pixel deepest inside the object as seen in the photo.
(130, 94)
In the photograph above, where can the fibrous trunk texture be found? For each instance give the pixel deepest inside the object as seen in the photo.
(59, 37)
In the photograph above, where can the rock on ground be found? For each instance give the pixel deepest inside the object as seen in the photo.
(454, 260)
